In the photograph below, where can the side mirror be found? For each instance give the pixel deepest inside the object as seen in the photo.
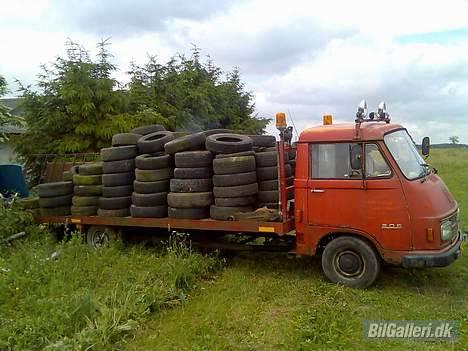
(356, 157)
(425, 146)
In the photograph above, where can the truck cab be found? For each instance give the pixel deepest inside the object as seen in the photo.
(363, 195)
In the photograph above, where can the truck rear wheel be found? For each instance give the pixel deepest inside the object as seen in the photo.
(100, 236)
(350, 261)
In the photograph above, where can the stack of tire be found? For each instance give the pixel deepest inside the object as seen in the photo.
(191, 188)
(292, 158)
(234, 179)
(153, 170)
(55, 198)
(118, 168)
(87, 181)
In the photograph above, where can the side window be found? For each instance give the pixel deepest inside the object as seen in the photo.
(376, 166)
(335, 161)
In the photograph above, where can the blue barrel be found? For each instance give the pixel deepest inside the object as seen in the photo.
(12, 181)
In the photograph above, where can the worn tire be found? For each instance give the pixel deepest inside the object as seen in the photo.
(188, 213)
(193, 159)
(79, 179)
(270, 205)
(235, 191)
(148, 211)
(268, 185)
(154, 161)
(84, 210)
(122, 212)
(235, 201)
(192, 173)
(236, 179)
(228, 143)
(189, 200)
(67, 176)
(87, 169)
(267, 196)
(145, 130)
(194, 141)
(117, 153)
(117, 191)
(226, 213)
(191, 185)
(336, 267)
(54, 189)
(85, 201)
(114, 203)
(218, 131)
(234, 165)
(160, 186)
(120, 166)
(154, 142)
(56, 201)
(153, 175)
(55, 211)
(263, 140)
(270, 173)
(292, 154)
(243, 153)
(290, 181)
(87, 190)
(29, 203)
(151, 200)
(266, 159)
(117, 179)
(123, 139)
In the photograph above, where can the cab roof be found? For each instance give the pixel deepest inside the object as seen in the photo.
(347, 132)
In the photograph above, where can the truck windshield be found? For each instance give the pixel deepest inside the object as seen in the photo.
(405, 154)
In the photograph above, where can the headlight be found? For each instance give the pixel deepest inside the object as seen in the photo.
(449, 228)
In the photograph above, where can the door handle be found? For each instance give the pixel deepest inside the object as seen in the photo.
(317, 191)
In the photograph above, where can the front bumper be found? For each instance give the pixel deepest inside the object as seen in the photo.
(442, 259)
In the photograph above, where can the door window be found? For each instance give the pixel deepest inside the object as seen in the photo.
(376, 166)
(333, 161)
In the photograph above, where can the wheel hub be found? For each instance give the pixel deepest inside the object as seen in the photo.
(349, 263)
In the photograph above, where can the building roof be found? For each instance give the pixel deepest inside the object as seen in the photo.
(347, 132)
(14, 108)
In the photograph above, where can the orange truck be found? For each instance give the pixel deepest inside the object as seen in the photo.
(363, 195)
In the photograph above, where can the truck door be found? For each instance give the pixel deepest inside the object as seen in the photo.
(336, 195)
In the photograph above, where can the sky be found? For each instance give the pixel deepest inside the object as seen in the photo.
(304, 58)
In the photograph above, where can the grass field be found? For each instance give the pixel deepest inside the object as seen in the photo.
(144, 299)
(266, 302)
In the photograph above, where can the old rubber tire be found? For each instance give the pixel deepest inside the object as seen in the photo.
(235, 201)
(154, 142)
(29, 203)
(54, 189)
(145, 130)
(350, 261)
(292, 154)
(122, 212)
(233, 165)
(270, 173)
(266, 196)
(266, 159)
(234, 179)
(115, 203)
(84, 210)
(100, 236)
(243, 153)
(189, 200)
(116, 179)
(192, 173)
(123, 139)
(270, 205)
(263, 140)
(193, 159)
(227, 213)
(120, 166)
(67, 176)
(228, 143)
(56, 201)
(153, 175)
(87, 190)
(79, 179)
(218, 131)
(154, 161)
(117, 153)
(117, 191)
(235, 191)
(190, 185)
(150, 200)
(188, 213)
(290, 181)
(266, 185)
(148, 211)
(55, 211)
(93, 168)
(80, 201)
(194, 141)
(160, 186)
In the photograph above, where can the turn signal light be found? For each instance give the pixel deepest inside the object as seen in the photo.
(429, 234)
(327, 120)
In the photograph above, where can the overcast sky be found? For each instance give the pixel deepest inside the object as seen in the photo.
(305, 58)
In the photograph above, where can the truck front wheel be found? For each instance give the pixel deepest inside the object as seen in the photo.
(350, 261)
